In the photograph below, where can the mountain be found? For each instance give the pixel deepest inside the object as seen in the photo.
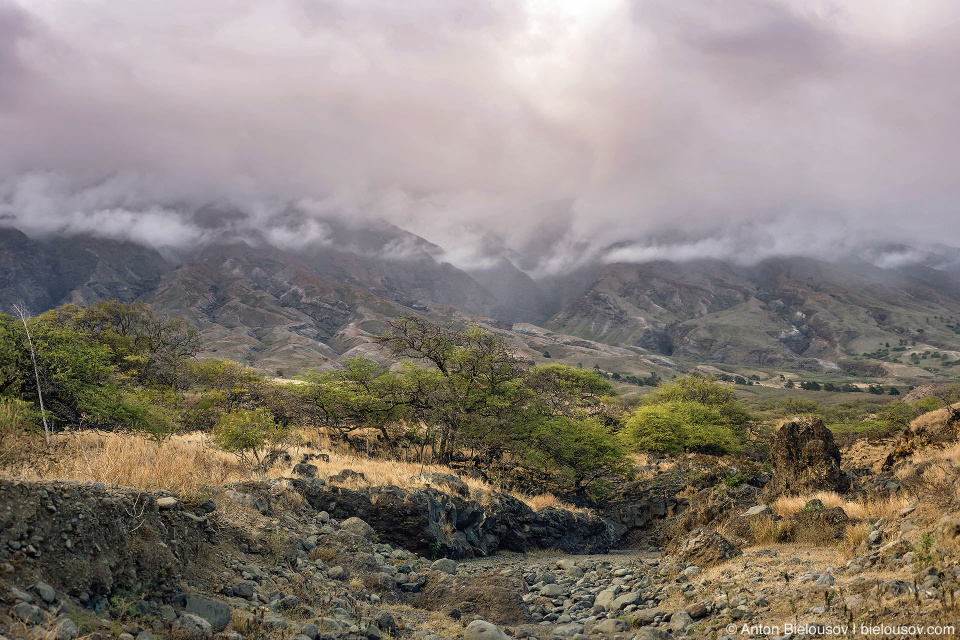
(325, 299)
(780, 312)
(42, 274)
(519, 297)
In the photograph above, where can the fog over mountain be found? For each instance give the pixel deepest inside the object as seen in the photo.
(550, 133)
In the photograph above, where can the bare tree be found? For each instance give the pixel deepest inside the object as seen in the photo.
(36, 370)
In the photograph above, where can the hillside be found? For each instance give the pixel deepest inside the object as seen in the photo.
(289, 309)
(780, 312)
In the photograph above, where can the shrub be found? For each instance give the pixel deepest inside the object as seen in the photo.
(679, 426)
(253, 436)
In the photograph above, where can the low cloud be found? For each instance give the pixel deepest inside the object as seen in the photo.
(552, 133)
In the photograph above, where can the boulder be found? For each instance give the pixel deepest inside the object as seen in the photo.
(306, 470)
(358, 527)
(611, 626)
(446, 565)
(192, 626)
(643, 617)
(805, 458)
(214, 611)
(706, 548)
(497, 598)
(815, 524)
(652, 633)
(483, 630)
(446, 482)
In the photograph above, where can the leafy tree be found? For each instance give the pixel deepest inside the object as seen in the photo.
(144, 344)
(679, 426)
(253, 436)
(571, 454)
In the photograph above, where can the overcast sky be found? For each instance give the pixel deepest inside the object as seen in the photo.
(555, 128)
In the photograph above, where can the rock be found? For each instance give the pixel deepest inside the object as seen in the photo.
(215, 612)
(611, 626)
(444, 481)
(815, 524)
(551, 591)
(825, 580)
(805, 458)
(705, 548)
(680, 620)
(337, 573)
(625, 600)
(642, 617)
(27, 613)
(45, 591)
(574, 572)
(358, 527)
(651, 633)
(166, 503)
(605, 598)
(306, 470)
(933, 429)
(244, 589)
(63, 629)
(568, 630)
(21, 595)
(483, 630)
(347, 474)
(193, 626)
(758, 510)
(386, 622)
(446, 565)
(697, 611)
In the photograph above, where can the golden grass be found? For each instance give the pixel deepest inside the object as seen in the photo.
(854, 536)
(188, 465)
(765, 530)
(179, 464)
(930, 456)
(870, 507)
(379, 472)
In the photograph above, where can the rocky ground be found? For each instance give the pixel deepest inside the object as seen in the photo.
(287, 559)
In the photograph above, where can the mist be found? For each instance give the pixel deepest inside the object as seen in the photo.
(552, 133)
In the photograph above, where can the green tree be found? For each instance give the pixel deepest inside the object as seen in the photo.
(679, 426)
(253, 436)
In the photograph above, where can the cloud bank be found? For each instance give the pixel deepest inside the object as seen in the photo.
(549, 131)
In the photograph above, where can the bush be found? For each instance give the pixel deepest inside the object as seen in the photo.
(572, 454)
(679, 426)
(253, 436)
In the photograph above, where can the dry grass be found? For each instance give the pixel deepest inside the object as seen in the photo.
(930, 456)
(870, 507)
(190, 466)
(179, 464)
(380, 472)
(855, 535)
(765, 530)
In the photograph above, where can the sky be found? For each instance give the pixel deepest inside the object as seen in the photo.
(550, 131)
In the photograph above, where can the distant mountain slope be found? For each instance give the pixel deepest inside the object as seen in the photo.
(45, 273)
(780, 311)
